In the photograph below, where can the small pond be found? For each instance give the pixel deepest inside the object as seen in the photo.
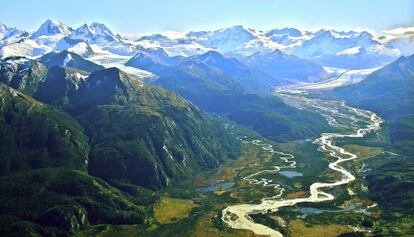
(216, 186)
(290, 174)
(311, 210)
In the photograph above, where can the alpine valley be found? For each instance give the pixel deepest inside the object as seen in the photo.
(230, 132)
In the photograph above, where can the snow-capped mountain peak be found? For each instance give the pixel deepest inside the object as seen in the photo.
(84, 30)
(2, 27)
(197, 34)
(323, 35)
(233, 31)
(226, 39)
(52, 27)
(153, 37)
(3, 30)
(285, 31)
(366, 38)
(101, 29)
(93, 33)
(325, 46)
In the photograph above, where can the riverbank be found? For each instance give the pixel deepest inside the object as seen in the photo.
(237, 216)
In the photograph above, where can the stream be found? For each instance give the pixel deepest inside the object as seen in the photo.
(355, 123)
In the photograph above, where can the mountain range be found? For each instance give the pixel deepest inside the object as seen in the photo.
(387, 91)
(93, 131)
(96, 96)
(351, 49)
(93, 123)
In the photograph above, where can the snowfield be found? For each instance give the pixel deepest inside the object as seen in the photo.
(357, 51)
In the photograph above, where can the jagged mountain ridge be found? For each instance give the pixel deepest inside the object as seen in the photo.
(327, 47)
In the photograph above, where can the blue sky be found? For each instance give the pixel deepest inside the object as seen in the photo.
(129, 16)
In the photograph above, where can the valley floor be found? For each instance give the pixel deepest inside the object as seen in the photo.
(195, 207)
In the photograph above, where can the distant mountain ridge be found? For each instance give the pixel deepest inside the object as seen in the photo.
(225, 86)
(327, 47)
(68, 59)
(388, 91)
(287, 68)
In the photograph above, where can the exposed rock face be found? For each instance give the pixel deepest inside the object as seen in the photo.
(22, 74)
(70, 218)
